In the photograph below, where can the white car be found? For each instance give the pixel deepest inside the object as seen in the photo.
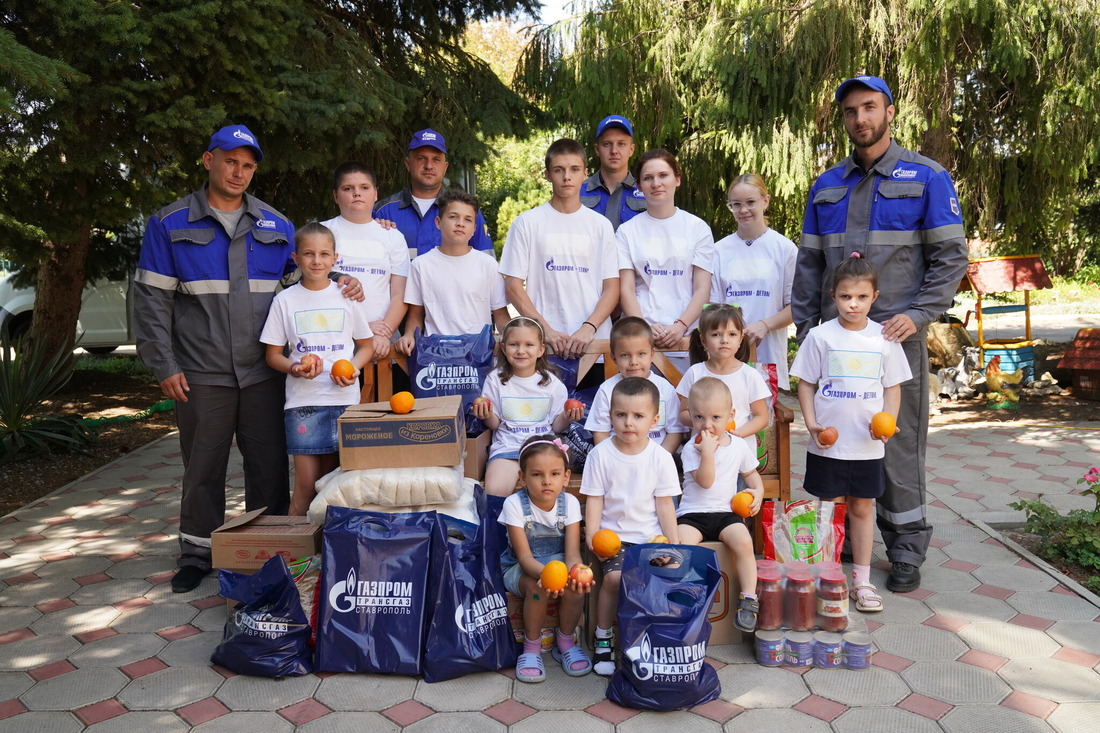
(106, 313)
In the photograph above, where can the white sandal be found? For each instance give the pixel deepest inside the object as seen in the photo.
(867, 598)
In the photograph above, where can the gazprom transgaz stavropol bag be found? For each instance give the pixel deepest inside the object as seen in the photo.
(372, 614)
(663, 628)
(440, 366)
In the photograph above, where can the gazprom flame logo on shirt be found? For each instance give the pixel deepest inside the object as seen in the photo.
(370, 596)
(482, 615)
(551, 267)
(903, 174)
(458, 378)
(665, 662)
(661, 271)
(265, 224)
(525, 409)
(321, 320)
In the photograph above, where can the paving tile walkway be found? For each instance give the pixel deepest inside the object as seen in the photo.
(93, 639)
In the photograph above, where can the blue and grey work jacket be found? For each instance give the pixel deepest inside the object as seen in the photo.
(903, 215)
(201, 295)
(620, 205)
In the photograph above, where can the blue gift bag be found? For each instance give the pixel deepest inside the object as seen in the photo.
(372, 605)
(440, 366)
(267, 633)
(470, 630)
(663, 629)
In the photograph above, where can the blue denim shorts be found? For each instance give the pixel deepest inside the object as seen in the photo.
(312, 430)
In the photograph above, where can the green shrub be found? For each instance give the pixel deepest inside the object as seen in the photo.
(28, 377)
(1074, 537)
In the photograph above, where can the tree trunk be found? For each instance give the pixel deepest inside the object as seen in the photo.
(937, 142)
(58, 293)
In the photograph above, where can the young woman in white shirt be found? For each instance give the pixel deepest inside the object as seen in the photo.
(665, 257)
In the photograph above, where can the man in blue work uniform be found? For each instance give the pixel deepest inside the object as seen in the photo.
(206, 275)
(413, 210)
(900, 210)
(611, 190)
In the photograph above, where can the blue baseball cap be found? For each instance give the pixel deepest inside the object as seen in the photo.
(428, 138)
(871, 82)
(614, 121)
(232, 137)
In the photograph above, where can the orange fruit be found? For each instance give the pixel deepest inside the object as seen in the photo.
(742, 504)
(883, 425)
(554, 575)
(343, 368)
(731, 426)
(606, 543)
(402, 402)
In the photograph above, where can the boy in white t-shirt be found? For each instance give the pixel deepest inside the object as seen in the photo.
(453, 289)
(630, 482)
(632, 349)
(321, 327)
(560, 261)
(377, 256)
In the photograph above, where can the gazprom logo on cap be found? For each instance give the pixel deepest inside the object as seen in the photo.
(244, 136)
(902, 173)
(428, 136)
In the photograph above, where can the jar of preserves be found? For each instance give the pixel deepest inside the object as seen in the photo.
(799, 601)
(832, 601)
(763, 564)
(770, 597)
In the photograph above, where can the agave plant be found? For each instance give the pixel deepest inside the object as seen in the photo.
(29, 375)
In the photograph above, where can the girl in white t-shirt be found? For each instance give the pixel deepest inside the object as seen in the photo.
(665, 257)
(521, 397)
(544, 524)
(719, 349)
(847, 373)
(754, 269)
(378, 257)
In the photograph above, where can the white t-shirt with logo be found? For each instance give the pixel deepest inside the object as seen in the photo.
(321, 322)
(668, 416)
(371, 254)
(662, 253)
(564, 259)
(524, 407)
(757, 278)
(730, 461)
(511, 513)
(746, 386)
(629, 485)
(459, 294)
(850, 369)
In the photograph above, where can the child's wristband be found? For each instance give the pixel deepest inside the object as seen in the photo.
(589, 323)
(682, 324)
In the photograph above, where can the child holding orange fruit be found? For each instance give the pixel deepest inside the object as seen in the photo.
(544, 537)
(319, 325)
(712, 463)
(848, 372)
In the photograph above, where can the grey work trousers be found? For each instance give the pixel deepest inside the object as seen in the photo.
(901, 514)
(208, 422)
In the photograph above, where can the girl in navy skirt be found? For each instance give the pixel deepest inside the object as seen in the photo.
(848, 372)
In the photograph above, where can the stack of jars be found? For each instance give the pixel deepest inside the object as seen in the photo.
(803, 616)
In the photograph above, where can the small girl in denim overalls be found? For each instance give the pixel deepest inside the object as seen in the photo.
(543, 525)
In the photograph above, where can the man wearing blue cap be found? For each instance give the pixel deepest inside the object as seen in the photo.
(413, 210)
(611, 190)
(899, 209)
(206, 275)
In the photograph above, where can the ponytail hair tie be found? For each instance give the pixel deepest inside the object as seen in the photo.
(855, 254)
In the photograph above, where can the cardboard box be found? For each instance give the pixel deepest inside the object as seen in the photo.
(433, 434)
(722, 630)
(477, 455)
(246, 542)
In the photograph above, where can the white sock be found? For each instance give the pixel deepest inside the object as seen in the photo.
(861, 574)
